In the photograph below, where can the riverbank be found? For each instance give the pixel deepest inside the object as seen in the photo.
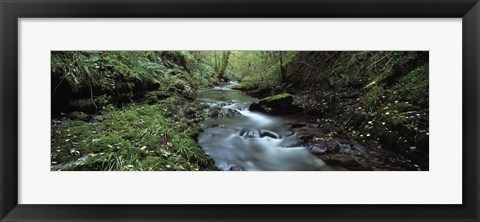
(115, 110)
(340, 144)
(138, 136)
(377, 99)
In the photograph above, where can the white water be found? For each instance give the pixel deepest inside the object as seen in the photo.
(227, 87)
(250, 140)
(260, 119)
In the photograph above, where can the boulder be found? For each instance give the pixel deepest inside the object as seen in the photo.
(153, 97)
(83, 105)
(245, 86)
(316, 149)
(260, 92)
(267, 133)
(298, 125)
(277, 104)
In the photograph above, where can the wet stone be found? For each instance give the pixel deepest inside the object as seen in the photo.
(266, 133)
(236, 168)
(289, 133)
(316, 149)
(344, 148)
(298, 125)
(249, 133)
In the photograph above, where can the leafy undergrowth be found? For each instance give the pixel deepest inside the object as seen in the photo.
(385, 105)
(378, 98)
(86, 81)
(161, 136)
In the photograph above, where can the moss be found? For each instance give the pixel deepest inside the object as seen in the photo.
(276, 97)
(136, 137)
(153, 97)
(246, 86)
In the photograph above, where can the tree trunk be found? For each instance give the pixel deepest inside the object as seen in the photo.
(283, 70)
(221, 73)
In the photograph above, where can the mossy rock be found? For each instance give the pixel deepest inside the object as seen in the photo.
(146, 84)
(276, 104)
(177, 86)
(260, 92)
(245, 86)
(83, 105)
(283, 97)
(153, 97)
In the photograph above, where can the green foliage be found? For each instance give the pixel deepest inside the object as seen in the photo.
(276, 97)
(377, 97)
(126, 71)
(138, 137)
(259, 67)
(104, 70)
(371, 100)
(413, 87)
(380, 98)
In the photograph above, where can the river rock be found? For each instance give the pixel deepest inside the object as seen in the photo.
(236, 168)
(346, 161)
(261, 92)
(277, 104)
(343, 148)
(316, 149)
(267, 133)
(213, 112)
(298, 125)
(249, 133)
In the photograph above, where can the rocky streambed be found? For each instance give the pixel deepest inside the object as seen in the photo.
(246, 133)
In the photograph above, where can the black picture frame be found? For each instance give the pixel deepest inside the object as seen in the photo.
(12, 10)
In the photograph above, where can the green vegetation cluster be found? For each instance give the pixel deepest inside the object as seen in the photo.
(135, 137)
(378, 98)
(135, 110)
(128, 110)
(266, 68)
(99, 78)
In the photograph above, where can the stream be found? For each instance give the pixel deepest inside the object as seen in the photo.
(240, 139)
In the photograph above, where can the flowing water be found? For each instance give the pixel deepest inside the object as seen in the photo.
(244, 140)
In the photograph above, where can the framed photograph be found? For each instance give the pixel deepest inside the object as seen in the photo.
(239, 110)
